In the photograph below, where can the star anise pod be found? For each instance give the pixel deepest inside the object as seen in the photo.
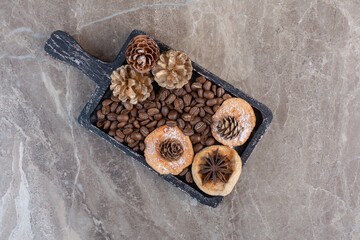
(229, 127)
(215, 168)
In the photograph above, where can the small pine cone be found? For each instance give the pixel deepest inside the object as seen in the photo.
(142, 53)
(173, 70)
(128, 84)
(229, 128)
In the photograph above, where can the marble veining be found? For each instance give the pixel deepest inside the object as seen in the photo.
(300, 58)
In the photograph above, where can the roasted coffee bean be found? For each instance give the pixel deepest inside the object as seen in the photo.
(133, 143)
(100, 123)
(207, 119)
(142, 146)
(157, 117)
(127, 131)
(200, 100)
(136, 136)
(158, 105)
(136, 148)
(129, 140)
(200, 93)
(179, 104)
(195, 138)
(107, 102)
(164, 93)
(112, 132)
(136, 124)
(196, 85)
(143, 123)
(132, 119)
(187, 87)
(115, 99)
(198, 147)
(113, 125)
(200, 127)
(121, 124)
(211, 102)
(216, 107)
(119, 139)
(201, 79)
(209, 94)
(142, 111)
(149, 105)
(120, 134)
(105, 109)
(188, 131)
(181, 123)
(111, 116)
(128, 105)
(188, 125)
(125, 111)
(170, 99)
(107, 124)
(139, 106)
(153, 111)
(118, 109)
(144, 131)
(164, 111)
(203, 139)
(202, 112)
(152, 95)
(206, 131)
(199, 105)
(194, 94)
(113, 106)
(180, 92)
(100, 115)
(193, 103)
(207, 85)
(219, 101)
(151, 124)
(143, 116)
(129, 125)
(210, 141)
(123, 118)
(187, 117)
(189, 178)
(209, 110)
(220, 91)
(213, 88)
(184, 172)
(173, 115)
(133, 112)
(226, 96)
(171, 123)
(161, 122)
(187, 109)
(187, 99)
(195, 120)
(194, 111)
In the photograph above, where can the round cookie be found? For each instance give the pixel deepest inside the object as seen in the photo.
(235, 115)
(167, 163)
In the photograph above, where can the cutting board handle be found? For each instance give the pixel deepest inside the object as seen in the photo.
(63, 47)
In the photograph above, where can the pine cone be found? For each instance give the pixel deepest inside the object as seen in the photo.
(229, 128)
(142, 53)
(173, 70)
(171, 149)
(128, 84)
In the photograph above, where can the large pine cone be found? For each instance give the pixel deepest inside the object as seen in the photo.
(173, 70)
(142, 53)
(229, 128)
(128, 84)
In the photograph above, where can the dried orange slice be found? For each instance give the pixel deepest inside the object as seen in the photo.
(233, 122)
(216, 170)
(168, 150)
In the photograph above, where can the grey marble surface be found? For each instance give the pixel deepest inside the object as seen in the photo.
(300, 58)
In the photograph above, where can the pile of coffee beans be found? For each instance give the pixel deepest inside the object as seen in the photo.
(190, 108)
